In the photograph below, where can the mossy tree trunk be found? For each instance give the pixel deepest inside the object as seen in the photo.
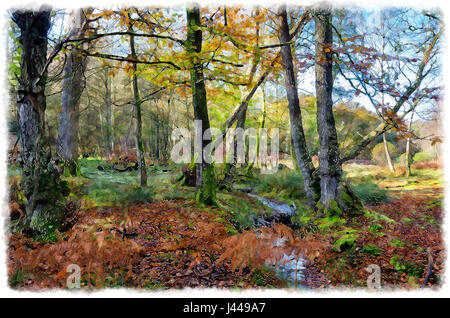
(298, 135)
(205, 172)
(44, 190)
(137, 116)
(67, 142)
(335, 196)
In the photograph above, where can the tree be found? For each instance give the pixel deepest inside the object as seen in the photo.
(41, 183)
(109, 146)
(137, 115)
(330, 170)
(205, 172)
(73, 72)
(411, 59)
(387, 154)
(298, 135)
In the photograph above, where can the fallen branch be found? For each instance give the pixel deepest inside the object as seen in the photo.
(429, 268)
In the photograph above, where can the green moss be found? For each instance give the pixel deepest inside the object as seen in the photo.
(47, 218)
(406, 220)
(397, 243)
(434, 203)
(231, 230)
(375, 216)
(410, 269)
(345, 241)
(375, 228)
(332, 209)
(346, 198)
(207, 194)
(328, 223)
(49, 237)
(372, 250)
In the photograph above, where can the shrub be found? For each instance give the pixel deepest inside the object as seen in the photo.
(370, 193)
(379, 154)
(401, 159)
(422, 157)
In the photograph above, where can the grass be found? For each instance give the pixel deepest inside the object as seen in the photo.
(370, 193)
(19, 276)
(285, 185)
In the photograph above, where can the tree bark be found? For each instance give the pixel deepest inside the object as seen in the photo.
(261, 127)
(205, 172)
(330, 170)
(408, 148)
(41, 183)
(67, 142)
(230, 168)
(138, 117)
(108, 129)
(336, 197)
(388, 156)
(108, 126)
(298, 136)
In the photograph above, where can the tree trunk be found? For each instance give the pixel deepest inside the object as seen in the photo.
(67, 143)
(41, 183)
(138, 117)
(408, 149)
(261, 127)
(108, 128)
(335, 196)
(388, 156)
(205, 172)
(298, 136)
(329, 164)
(230, 168)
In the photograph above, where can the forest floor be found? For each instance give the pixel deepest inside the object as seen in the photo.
(159, 238)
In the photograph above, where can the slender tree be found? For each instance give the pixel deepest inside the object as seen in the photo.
(73, 84)
(388, 155)
(137, 114)
(408, 158)
(298, 135)
(108, 125)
